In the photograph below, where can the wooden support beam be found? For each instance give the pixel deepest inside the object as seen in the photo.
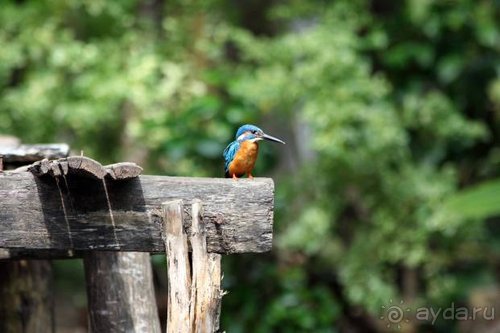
(26, 297)
(120, 292)
(206, 293)
(194, 292)
(119, 284)
(178, 269)
(26, 285)
(77, 213)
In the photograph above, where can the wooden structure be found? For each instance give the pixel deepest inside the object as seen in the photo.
(114, 218)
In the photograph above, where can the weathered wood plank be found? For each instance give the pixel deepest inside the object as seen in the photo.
(26, 285)
(206, 293)
(37, 212)
(120, 292)
(30, 153)
(178, 269)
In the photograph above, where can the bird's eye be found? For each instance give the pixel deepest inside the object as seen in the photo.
(254, 132)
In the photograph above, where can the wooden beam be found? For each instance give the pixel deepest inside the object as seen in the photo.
(75, 213)
(25, 154)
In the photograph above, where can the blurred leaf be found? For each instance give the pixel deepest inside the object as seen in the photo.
(480, 201)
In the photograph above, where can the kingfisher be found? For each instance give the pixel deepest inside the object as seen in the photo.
(241, 154)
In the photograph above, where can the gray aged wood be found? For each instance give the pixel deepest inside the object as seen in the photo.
(25, 285)
(178, 269)
(206, 293)
(123, 170)
(120, 292)
(26, 298)
(119, 284)
(83, 166)
(194, 295)
(37, 212)
(24, 154)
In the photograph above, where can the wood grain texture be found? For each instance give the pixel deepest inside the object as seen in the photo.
(178, 269)
(194, 291)
(120, 292)
(206, 293)
(26, 285)
(37, 212)
(84, 167)
(123, 170)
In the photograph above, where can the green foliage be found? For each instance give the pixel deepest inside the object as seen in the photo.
(476, 202)
(391, 111)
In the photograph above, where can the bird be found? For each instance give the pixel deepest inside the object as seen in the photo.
(241, 154)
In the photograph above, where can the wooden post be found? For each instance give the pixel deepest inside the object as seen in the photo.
(120, 287)
(26, 299)
(120, 292)
(206, 293)
(194, 295)
(179, 276)
(26, 304)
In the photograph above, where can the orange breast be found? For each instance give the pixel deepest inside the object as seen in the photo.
(245, 158)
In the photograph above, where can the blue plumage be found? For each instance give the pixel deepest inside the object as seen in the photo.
(246, 140)
(229, 154)
(233, 147)
(247, 128)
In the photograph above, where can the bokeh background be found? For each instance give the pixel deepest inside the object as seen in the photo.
(388, 188)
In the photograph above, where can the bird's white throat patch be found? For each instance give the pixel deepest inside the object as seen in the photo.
(241, 137)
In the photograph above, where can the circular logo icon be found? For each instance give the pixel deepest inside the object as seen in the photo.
(394, 314)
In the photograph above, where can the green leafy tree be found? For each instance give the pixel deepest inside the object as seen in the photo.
(390, 110)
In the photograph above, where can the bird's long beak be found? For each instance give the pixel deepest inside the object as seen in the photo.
(271, 138)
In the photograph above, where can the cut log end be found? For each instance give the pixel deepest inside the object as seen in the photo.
(82, 166)
(123, 170)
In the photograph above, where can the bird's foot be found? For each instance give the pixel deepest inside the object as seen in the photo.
(250, 176)
(234, 177)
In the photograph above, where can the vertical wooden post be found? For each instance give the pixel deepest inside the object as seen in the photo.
(27, 304)
(120, 292)
(179, 275)
(194, 298)
(27, 301)
(205, 289)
